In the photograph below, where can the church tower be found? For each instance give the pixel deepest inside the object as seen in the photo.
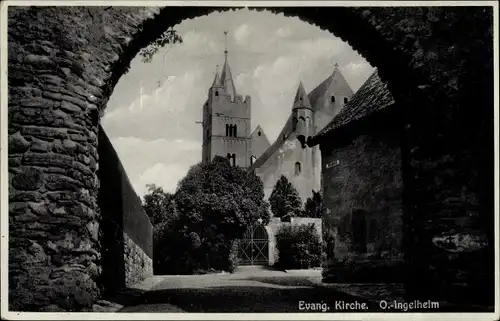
(302, 115)
(226, 120)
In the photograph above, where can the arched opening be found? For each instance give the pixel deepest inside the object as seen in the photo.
(332, 99)
(253, 248)
(438, 123)
(298, 169)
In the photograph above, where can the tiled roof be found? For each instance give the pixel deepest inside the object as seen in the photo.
(371, 97)
(319, 92)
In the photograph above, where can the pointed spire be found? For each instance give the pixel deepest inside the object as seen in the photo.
(217, 77)
(301, 100)
(226, 76)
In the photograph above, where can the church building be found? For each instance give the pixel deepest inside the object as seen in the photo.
(227, 131)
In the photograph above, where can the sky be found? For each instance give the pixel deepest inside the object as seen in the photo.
(152, 113)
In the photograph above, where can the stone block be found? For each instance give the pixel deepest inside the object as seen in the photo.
(30, 179)
(17, 143)
(44, 132)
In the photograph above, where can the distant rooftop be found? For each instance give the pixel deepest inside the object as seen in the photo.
(371, 97)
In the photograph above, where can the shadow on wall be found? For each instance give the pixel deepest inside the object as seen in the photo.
(126, 234)
(111, 207)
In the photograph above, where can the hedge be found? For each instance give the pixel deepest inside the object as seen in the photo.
(299, 247)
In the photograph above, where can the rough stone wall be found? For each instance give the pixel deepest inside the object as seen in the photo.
(138, 264)
(364, 177)
(64, 63)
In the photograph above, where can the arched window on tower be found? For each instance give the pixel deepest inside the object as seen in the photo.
(216, 93)
(227, 130)
(297, 168)
(235, 131)
(233, 160)
(333, 99)
(228, 156)
(346, 100)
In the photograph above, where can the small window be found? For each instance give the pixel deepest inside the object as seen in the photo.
(233, 160)
(333, 99)
(297, 168)
(346, 100)
(259, 133)
(227, 130)
(216, 93)
(235, 131)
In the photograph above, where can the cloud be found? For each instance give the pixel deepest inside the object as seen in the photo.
(357, 66)
(161, 174)
(197, 42)
(160, 111)
(283, 32)
(242, 34)
(142, 158)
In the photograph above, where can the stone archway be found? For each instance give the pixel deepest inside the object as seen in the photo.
(63, 63)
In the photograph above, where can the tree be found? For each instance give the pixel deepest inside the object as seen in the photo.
(158, 205)
(285, 200)
(215, 203)
(314, 206)
(167, 37)
(219, 197)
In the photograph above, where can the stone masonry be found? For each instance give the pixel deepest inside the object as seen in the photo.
(138, 265)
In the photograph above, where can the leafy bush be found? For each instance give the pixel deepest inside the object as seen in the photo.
(233, 257)
(299, 247)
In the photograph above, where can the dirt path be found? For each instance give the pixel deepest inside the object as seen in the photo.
(249, 289)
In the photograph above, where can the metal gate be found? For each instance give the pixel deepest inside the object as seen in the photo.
(253, 248)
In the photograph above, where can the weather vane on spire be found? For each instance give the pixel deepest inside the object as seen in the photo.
(225, 41)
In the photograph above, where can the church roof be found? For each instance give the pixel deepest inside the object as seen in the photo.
(337, 80)
(263, 134)
(301, 99)
(284, 134)
(371, 97)
(310, 101)
(227, 79)
(216, 78)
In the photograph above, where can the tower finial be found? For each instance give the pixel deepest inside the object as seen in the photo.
(336, 65)
(225, 42)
